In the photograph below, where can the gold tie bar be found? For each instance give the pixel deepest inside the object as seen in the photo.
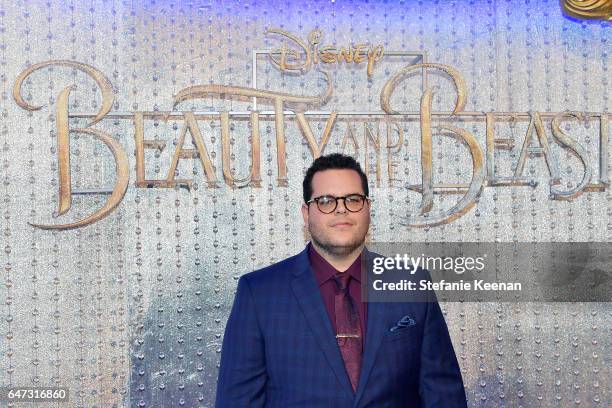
(338, 336)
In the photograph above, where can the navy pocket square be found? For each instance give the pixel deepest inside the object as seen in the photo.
(405, 321)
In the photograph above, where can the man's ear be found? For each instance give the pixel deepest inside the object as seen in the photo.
(305, 231)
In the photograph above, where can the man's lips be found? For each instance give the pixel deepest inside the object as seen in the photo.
(342, 224)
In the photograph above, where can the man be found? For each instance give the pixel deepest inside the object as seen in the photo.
(299, 334)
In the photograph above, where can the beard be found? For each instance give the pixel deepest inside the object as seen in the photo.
(338, 249)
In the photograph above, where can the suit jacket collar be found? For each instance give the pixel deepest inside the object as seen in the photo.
(375, 332)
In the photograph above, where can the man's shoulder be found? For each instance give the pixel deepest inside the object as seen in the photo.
(275, 273)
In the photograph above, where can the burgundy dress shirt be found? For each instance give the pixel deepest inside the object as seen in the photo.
(324, 273)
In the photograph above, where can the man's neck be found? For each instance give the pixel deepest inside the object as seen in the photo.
(340, 262)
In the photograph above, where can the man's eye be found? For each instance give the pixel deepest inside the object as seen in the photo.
(325, 200)
(353, 199)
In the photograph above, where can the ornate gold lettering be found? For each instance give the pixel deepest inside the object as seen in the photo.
(392, 83)
(467, 201)
(426, 153)
(63, 140)
(103, 83)
(253, 176)
(255, 152)
(296, 102)
(345, 54)
(375, 54)
(282, 101)
(282, 64)
(578, 150)
(490, 134)
(191, 125)
(122, 173)
(278, 99)
(314, 38)
(543, 148)
(350, 134)
(63, 151)
(369, 135)
(316, 148)
(281, 155)
(589, 9)
(140, 145)
(390, 149)
(603, 149)
(329, 54)
(492, 144)
(474, 189)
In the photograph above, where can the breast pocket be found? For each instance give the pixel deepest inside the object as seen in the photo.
(400, 334)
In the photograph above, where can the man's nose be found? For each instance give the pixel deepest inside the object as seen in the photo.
(341, 206)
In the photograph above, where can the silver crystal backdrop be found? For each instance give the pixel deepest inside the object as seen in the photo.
(130, 310)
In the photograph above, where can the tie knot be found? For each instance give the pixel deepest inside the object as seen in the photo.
(342, 280)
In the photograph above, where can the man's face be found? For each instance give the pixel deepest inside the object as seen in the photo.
(341, 231)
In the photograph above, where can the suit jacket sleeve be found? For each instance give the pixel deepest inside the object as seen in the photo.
(440, 379)
(242, 374)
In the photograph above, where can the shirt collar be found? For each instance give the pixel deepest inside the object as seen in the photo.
(324, 270)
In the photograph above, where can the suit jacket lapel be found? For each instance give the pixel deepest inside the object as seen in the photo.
(375, 330)
(307, 292)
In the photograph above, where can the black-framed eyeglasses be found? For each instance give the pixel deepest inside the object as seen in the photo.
(327, 204)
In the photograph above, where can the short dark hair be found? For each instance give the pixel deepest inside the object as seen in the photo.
(328, 162)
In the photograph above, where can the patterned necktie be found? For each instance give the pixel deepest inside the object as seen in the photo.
(348, 327)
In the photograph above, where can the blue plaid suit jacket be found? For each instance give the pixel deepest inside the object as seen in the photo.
(279, 349)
